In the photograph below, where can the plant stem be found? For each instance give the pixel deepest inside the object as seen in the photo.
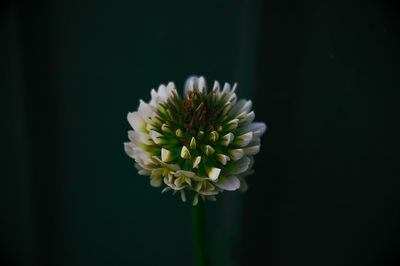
(199, 233)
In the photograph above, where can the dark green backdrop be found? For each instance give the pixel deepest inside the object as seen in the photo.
(323, 76)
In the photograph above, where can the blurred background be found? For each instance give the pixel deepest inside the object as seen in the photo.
(324, 76)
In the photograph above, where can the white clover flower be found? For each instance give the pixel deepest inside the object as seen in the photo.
(201, 142)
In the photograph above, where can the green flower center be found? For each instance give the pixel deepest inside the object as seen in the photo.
(192, 130)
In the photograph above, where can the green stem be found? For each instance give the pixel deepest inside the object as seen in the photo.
(199, 233)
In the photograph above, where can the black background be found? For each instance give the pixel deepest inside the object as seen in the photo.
(322, 74)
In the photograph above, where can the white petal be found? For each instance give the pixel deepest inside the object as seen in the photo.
(155, 181)
(258, 128)
(179, 181)
(230, 183)
(155, 99)
(171, 87)
(236, 154)
(166, 155)
(144, 172)
(201, 85)
(183, 196)
(233, 124)
(171, 185)
(179, 132)
(238, 106)
(162, 92)
(240, 166)
(185, 153)
(213, 136)
(165, 128)
(156, 137)
(142, 155)
(196, 162)
(157, 171)
(242, 106)
(208, 193)
(165, 189)
(252, 150)
(193, 143)
(232, 99)
(226, 90)
(128, 149)
(145, 111)
(190, 84)
(184, 173)
(195, 83)
(173, 167)
(136, 121)
(222, 158)
(214, 173)
(216, 87)
(227, 139)
(244, 139)
(249, 117)
(208, 150)
(140, 138)
(196, 199)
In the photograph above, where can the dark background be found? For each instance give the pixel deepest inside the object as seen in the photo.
(322, 74)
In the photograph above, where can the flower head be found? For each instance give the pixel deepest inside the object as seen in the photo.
(202, 142)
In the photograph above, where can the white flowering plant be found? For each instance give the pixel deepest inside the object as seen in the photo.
(202, 142)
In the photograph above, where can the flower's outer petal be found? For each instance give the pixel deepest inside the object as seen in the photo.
(208, 193)
(196, 162)
(226, 91)
(258, 128)
(213, 174)
(144, 172)
(155, 136)
(230, 183)
(138, 138)
(185, 173)
(244, 140)
(172, 167)
(136, 121)
(241, 106)
(248, 118)
(201, 85)
(227, 139)
(195, 83)
(129, 150)
(183, 196)
(190, 84)
(142, 155)
(162, 92)
(223, 159)
(145, 110)
(155, 99)
(196, 199)
(171, 87)
(172, 185)
(156, 181)
(252, 150)
(216, 87)
(240, 166)
(236, 154)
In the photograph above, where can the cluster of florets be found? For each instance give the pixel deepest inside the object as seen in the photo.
(201, 142)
